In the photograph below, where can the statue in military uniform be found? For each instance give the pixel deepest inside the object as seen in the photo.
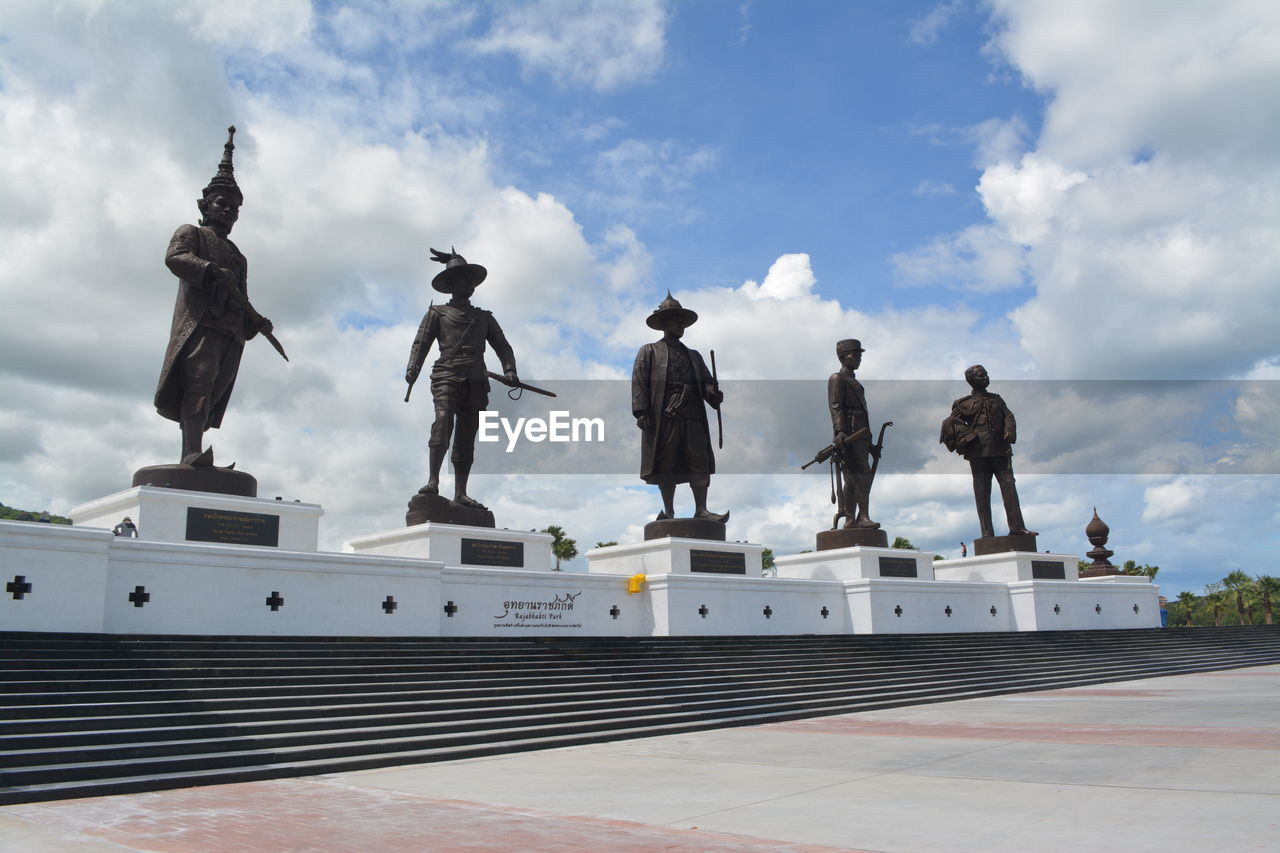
(459, 384)
(982, 429)
(670, 387)
(212, 317)
(848, 404)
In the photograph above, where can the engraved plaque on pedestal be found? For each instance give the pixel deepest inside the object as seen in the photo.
(492, 552)
(718, 562)
(1048, 570)
(897, 567)
(233, 528)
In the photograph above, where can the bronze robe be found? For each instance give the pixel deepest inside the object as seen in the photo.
(192, 251)
(648, 394)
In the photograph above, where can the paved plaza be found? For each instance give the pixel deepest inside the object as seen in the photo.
(1189, 762)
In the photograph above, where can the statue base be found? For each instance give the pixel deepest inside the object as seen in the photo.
(999, 544)
(440, 510)
(849, 537)
(1096, 570)
(218, 481)
(685, 528)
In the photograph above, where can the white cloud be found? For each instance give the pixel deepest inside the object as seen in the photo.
(599, 44)
(1145, 214)
(1024, 198)
(925, 29)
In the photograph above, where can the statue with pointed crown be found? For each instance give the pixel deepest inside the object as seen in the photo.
(212, 320)
(670, 388)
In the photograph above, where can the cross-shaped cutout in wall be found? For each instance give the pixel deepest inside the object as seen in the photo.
(274, 601)
(993, 610)
(450, 608)
(948, 611)
(389, 605)
(768, 611)
(1097, 608)
(1057, 609)
(897, 611)
(825, 612)
(1135, 608)
(703, 611)
(18, 587)
(139, 596)
(614, 611)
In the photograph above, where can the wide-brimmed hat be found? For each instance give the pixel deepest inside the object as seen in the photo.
(456, 271)
(849, 344)
(669, 309)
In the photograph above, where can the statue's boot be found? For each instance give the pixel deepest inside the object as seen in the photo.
(663, 515)
(865, 523)
(708, 515)
(1023, 532)
(201, 459)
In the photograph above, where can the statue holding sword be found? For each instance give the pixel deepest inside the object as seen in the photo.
(212, 316)
(459, 382)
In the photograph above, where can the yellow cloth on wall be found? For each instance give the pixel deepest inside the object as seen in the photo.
(635, 582)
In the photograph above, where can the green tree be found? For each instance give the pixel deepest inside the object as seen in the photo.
(1131, 567)
(1239, 583)
(8, 513)
(903, 542)
(608, 544)
(1268, 588)
(767, 566)
(1187, 606)
(562, 546)
(1216, 600)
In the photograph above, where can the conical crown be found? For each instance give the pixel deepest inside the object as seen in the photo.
(224, 181)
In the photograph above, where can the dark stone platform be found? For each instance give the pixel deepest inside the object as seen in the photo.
(219, 481)
(1000, 544)
(1100, 571)
(441, 510)
(848, 537)
(685, 528)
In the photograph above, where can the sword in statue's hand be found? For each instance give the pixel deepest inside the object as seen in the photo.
(255, 318)
(715, 380)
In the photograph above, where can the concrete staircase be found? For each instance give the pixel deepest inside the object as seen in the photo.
(88, 715)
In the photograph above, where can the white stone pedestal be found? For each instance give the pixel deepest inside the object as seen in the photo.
(857, 563)
(457, 545)
(1008, 567)
(673, 555)
(175, 515)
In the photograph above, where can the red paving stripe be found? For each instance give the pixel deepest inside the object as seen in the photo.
(1099, 734)
(309, 816)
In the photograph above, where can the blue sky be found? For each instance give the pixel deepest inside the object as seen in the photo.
(1060, 191)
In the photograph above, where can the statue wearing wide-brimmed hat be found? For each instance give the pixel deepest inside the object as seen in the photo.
(670, 387)
(459, 383)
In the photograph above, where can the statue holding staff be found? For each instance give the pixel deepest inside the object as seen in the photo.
(670, 389)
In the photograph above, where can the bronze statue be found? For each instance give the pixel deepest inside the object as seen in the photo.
(670, 385)
(982, 429)
(212, 317)
(853, 468)
(459, 381)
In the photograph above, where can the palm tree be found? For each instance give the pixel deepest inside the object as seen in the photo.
(1187, 601)
(1268, 587)
(1238, 582)
(562, 546)
(1215, 598)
